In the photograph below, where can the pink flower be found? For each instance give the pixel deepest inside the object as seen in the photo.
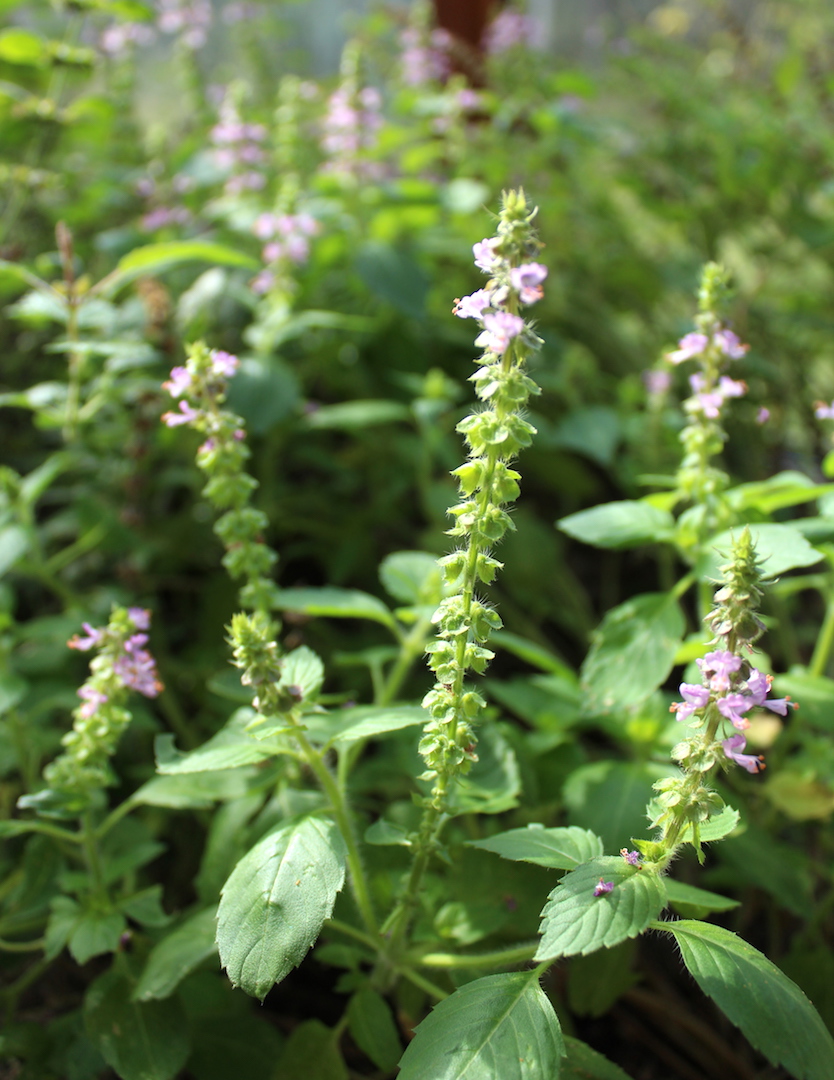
(694, 697)
(472, 306)
(722, 664)
(85, 643)
(729, 344)
(731, 706)
(763, 415)
(527, 279)
(223, 364)
(179, 383)
(485, 257)
(140, 617)
(728, 387)
(186, 415)
(92, 699)
(499, 330)
(823, 411)
(689, 345)
(631, 857)
(733, 747)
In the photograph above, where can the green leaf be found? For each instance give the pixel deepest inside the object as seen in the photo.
(264, 392)
(274, 904)
(501, 1027)
(561, 849)
(228, 749)
(771, 1011)
(353, 415)
(494, 783)
(718, 826)
(464, 196)
(311, 1053)
(692, 901)
(583, 1063)
(386, 834)
(366, 722)
(610, 797)
(412, 577)
(575, 921)
(14, 543)
(337, 603)
(192, 791)
(619, 524)
(145, 907)
(153, 259)
(373, 1029)
(633, 652)
(815, 693)
(785, 489)
(779, 548)
(140, 1041)
(393, 275)
(532, 653)
(177, 955)
(85, 931)
(19, 46)
(594, 431)
(303, 669)
(595, 982)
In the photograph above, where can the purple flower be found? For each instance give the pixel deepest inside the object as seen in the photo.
(499, 330)
(823, 411)
(709, 404)
(223, 364)
(731, 706)
(83, 644)
(758, 686)
(603, 887)
(631, 857)
(695, 697)
(472, 306)
(526, 280)
(722, 664)
(656, 382)
(728, 387)
(689, 345)
(763, 415)
(179, 383)
(508, 29)
(140, 617)
(92, 699)
(733, 747)
(485, 257)
(729, 344)
(186, 415)
(137, 670)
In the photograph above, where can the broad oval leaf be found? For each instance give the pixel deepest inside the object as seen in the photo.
(583, 1063)
(501, 1027)
(373, 1029)
(304, 669)
(337, 603)
(778, 547)
(274, 904)
(228, 749)
(687, 898)
(574, 920)
(412, 577)
(633, 652)
(140, 1041)
(365, 722)
(154, 259)
(619, 524)
(177, 955)
(560, 849)
(771, 1011)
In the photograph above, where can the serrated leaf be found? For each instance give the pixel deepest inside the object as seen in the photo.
(274, 904)
(770, 1010)
(337, 603)
(153, 259)
(304, 669)
(583, 1063)
(177, 955)
(561, 849)
(228, 749)
(779, 548)
(366, 722)
(373, 1029)
(140, 1041)
(619, 524)
(633, 652)
(685, 898)
(501, 1027)
(574, 920)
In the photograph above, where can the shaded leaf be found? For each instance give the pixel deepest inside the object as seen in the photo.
(373, 1029)
(561, 849)
(619, 524)
(633, 652)
(153, 259)
(311, 1053)
(501, 1027)
(771, 1011)
(228, 749)
(337, 603)
(583, 1063)
(177, 955)
(695, 902)
(778, 547)
(365, 722)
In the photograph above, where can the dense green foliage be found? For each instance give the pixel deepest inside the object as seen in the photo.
(273, 263)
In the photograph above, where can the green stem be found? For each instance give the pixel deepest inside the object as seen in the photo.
(92, 856)
(22, 946)
(411, 648)
(518, 954)
(351, 931)
(825, 642)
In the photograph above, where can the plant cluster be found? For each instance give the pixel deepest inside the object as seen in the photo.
(239, 326)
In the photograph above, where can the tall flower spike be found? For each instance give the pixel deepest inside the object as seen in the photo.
(201, 388)
(488, 484)
(716, 710)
